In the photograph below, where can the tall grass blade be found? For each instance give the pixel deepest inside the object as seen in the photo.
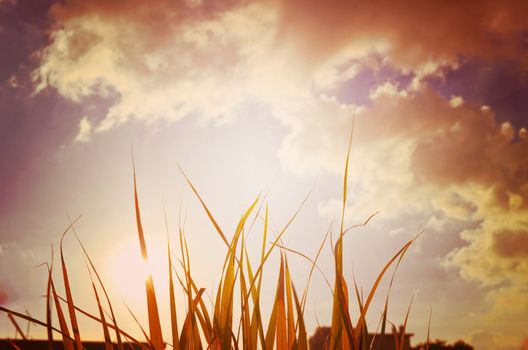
(340, 315)
(201, 312)
(400, 253)
(66, 339)
(28, 324)
(189, 339)
(112, 314)
(95, 318)
(152, 305)
(247, 340)
(225, 311)
(172, 299)
(304, 297)
(396, 337)
(106, 333)
(211, 218)
(272, 324)
(312, 261)
(282, 331)
(428, 341)
(258, 273)
(33, 320)
(302, 341)
(48, 312)
(257, 329)
(384, 323)
(404, 327)
(69, 297)
(190, 336)
(289, 299)
(147, 338)
(17, 326)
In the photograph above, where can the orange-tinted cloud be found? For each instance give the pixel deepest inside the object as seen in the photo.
(511, 244)
(178, 56)
(408, 33)
(473, 149)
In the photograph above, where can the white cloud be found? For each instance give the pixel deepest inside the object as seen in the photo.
(85, 130)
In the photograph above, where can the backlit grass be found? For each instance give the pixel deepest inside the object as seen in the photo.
(219, 326)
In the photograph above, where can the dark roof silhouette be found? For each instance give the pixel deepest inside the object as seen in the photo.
(321, 340)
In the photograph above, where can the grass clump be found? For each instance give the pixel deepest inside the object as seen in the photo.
(220, 327)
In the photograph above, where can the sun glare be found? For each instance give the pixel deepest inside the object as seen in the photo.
(128, 270)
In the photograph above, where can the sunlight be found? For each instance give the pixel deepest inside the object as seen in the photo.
(128, 271)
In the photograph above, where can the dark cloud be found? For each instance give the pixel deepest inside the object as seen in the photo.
(501, 85)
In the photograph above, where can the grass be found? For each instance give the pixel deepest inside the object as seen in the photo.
(220, 327)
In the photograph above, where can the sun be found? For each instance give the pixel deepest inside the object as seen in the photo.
(128, 271)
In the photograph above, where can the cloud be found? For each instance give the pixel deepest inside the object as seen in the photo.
(172, 60)
(85, 130)
(351, 29)
(161, 62)
(511, 244)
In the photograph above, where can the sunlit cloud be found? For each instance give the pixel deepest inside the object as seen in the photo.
(85, 129)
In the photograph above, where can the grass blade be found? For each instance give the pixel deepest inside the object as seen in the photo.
(302, 342)
(48, 312)
(404, 327)
(112, 314)
(69, 297)
(34, 320)
(152, 305)
(289, 299)
(17, 327)
(95, 318)
(106, 333)
(172, 299)
(211, 218)
(428, 341)
(66, 339)
(282, 330)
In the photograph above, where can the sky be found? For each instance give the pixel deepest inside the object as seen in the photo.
(254, 97)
